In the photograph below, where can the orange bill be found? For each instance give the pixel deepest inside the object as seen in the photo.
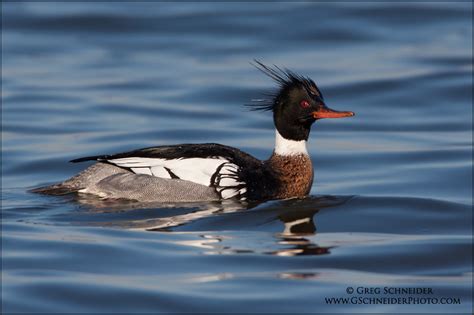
(326, 112)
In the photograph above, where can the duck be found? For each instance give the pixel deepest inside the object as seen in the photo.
(210, 171)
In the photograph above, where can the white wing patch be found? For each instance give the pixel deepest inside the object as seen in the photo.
(197, 170)
(141, 170)
(159, 171)
(222, 173)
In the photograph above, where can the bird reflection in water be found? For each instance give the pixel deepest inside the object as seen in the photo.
(296, 239)
(297, 236)
(300, 228)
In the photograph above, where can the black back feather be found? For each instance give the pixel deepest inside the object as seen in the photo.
(285, 79)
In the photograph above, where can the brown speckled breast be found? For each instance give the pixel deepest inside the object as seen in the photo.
(294, 174)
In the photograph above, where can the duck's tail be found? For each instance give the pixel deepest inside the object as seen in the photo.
(84, 179)
(55, 190)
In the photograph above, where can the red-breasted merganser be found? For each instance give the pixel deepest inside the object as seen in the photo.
(203, 172)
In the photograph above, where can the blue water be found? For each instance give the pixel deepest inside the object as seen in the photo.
(391, 204)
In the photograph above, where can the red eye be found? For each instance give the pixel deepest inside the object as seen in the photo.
(304, 104)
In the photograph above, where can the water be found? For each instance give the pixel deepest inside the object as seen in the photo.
(391, 205)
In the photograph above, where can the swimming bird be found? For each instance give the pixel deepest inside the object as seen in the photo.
(210, 171)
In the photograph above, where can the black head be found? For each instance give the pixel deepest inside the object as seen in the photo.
(296, 105)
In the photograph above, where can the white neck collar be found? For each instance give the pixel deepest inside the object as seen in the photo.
(289, 147)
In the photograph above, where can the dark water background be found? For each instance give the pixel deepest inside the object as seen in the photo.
(391, 204)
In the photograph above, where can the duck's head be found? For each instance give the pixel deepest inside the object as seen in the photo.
(296, 105)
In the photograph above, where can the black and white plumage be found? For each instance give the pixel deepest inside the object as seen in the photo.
(223, 168)
(194, 172)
